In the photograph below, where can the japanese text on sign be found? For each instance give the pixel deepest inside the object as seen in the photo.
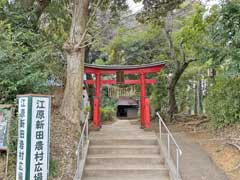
(39, 148)
(22, 138)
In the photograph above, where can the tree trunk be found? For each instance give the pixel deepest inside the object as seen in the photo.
(179, 69)
(172, 101)
(195, 98)
(75, 63)
(73, 91)
(173, 109)
(200, 97)
(72, 99)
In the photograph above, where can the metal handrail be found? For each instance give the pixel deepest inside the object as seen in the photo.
(80, 150)
(169, 139)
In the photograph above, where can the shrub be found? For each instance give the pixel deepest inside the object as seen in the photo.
(107, 114)
(54, 168)
(223, 101)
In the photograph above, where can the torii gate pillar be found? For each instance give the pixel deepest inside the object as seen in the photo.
(142, 98)
(97, 100)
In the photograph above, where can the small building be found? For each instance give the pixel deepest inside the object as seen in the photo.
(127, 108)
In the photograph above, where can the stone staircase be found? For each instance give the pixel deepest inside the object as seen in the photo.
(122, 151)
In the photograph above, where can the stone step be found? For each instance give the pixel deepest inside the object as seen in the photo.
(113, 131)
(130, 173)
(123, 129)
(122, 160)
(120, 124)
(163, 177)
(123, 141)
(124, 136)
(126, 166)
(129, 127)
(123, 149)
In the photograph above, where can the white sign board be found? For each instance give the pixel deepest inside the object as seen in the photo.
(39, 138)
(33, 138)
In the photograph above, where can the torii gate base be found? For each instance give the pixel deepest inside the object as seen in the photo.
(141, 70)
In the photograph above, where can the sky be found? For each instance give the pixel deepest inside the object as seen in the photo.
(134, 7)
(138, 6)
(210, 3)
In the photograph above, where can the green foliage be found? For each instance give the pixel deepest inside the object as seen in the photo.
(114, 6)
(223, 102)
(224, 35)
(108, 106)
(27, 62)
(29, 57)
(53, 168)
(223, 53)
(228, 24)
(107, 113)
(192, 34)
(155, 11)
(159, 94)
(107, 101)
(58, 22)
(99, 62)
(86, 110)
(140, 46)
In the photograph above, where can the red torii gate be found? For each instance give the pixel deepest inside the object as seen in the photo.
(141, 70)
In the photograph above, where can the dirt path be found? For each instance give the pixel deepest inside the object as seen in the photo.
(196, 164)
(226, 157)
(207, 156)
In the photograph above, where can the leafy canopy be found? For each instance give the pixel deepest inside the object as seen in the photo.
(29, 57)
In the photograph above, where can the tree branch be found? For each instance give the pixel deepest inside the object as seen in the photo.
(237, 146)
(41, 5)
(190, 60)
(182, 51)
(183, 11)
(89, 40)
(78, 46)
(171, 47)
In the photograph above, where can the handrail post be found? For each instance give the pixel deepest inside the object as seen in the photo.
(82, 148)
(84, 137)
(87, 129)
(160, 129)
(177, 158)
(168, 138)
